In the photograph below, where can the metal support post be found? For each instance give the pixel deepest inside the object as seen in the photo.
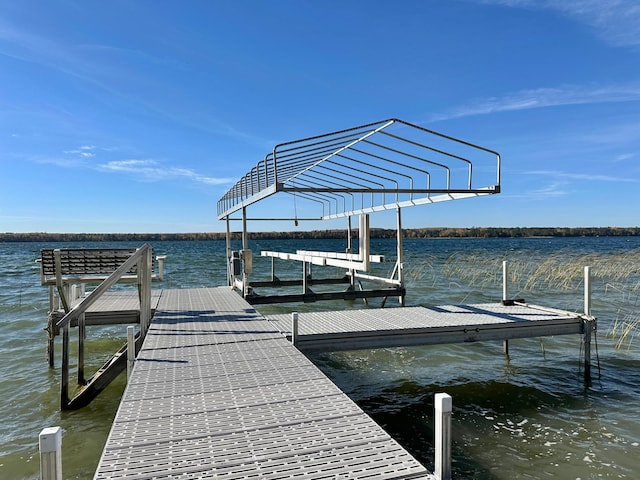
(131, 349)
(294, 327)
(144, 286)
(82, 335)
(400, 253)
(443, 407)
(228, 243)
(246, 269)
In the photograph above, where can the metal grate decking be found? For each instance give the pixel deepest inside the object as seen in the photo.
(115, 307)
(395, 327)
(218, 392)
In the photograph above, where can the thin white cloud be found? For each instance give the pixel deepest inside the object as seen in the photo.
(85, 151)
(544, 98)
(554, 189)
(579, 176)
(624, 157)
(151, 170)
(616, 21)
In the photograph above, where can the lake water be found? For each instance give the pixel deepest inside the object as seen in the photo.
(528, 416)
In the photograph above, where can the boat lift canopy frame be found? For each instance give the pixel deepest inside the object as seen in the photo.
(385, 165)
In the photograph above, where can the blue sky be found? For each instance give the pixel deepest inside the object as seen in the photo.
(137, 116)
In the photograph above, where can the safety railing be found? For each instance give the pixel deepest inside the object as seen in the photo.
(142, 258)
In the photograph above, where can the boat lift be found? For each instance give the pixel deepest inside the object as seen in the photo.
(385, 165)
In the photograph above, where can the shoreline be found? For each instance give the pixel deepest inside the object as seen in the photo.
(409, 233)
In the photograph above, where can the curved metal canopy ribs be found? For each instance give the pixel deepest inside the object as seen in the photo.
(383, 165)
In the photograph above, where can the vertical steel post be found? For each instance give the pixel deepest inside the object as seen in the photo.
(294, 327)
(400, 253)
(305, 287)
(505, 298)
(64, 371)
(245, 247)
(50, 445)
(144, 285)
(228, 243)
(363, 248)
(443, 407)
(82, 333)
(131, 349)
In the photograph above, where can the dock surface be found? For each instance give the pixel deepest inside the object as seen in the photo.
(218, 392)
(407, 326)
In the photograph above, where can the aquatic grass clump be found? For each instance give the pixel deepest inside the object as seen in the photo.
(625, 329)
(615, 279)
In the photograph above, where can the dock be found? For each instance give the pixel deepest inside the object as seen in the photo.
(218, 392)
(410, 326)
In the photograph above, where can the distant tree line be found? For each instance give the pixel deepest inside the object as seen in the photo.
(431, 232)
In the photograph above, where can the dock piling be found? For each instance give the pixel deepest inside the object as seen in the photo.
(505, 282)
(131, 349)
(443, 407)
(50, 444)
(294, 327)
(588, 326)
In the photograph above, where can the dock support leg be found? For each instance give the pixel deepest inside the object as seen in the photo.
(400, 253)
(64, 382)
(131, 349)
(51, 337)
(229, 259)
(586, 344)
(50, 443)
(294, 328)
(588, 325)
(82, 334)
(443, 407)
(505, 347)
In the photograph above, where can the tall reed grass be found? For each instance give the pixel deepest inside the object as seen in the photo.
(615, 279)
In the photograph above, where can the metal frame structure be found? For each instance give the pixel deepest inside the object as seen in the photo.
(385, 165)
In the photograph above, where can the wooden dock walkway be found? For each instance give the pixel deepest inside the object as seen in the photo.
(218, 392)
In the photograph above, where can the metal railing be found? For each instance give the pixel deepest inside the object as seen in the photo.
(142, 257)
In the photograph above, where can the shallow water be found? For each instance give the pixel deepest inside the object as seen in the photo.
(528, 416)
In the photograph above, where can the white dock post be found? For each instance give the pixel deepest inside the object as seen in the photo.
(50, 442)
(505, 286)
(505, 298)
(131, 349)
(588, 326)
(294, 327)
(587, 291)
(443, 407)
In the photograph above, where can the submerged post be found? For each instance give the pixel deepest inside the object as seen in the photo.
(443, 407)
(50, 444)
